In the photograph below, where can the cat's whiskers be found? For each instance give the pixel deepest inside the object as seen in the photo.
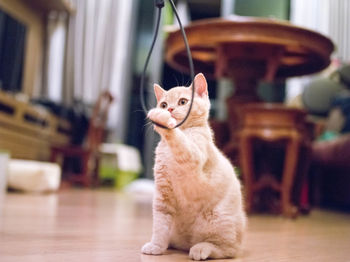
(138, 110)
(148, 127)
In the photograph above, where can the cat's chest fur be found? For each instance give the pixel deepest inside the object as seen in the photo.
(178, 180)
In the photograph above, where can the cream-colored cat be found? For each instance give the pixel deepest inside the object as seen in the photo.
(197, 204)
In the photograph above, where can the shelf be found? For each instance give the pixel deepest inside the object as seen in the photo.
(53, 5)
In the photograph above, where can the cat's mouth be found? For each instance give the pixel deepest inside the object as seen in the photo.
(175, 116)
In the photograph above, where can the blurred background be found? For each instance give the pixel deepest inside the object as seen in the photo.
(69, 92)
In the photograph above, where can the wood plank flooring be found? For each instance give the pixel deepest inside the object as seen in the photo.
(85, 225)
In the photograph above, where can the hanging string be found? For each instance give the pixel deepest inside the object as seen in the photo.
(160, 4)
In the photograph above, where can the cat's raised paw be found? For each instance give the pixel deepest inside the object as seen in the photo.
(162, 117)
(152, 249)
(200, 251)
(171, 123)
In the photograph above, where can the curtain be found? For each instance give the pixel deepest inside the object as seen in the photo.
(328, 17)
(97, 45)
(98, 55)
(91, 45)
(312, 14)
(56, 31)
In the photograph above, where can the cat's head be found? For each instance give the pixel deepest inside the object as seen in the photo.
(178, 99)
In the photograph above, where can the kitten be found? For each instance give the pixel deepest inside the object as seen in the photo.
(197, 204)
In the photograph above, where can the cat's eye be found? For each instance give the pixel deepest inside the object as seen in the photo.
(182, 101)
(163, 105)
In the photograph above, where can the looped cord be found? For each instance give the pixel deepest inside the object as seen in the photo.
(160, 4)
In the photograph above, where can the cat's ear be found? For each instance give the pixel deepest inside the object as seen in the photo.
(201, 85)
(158, 91)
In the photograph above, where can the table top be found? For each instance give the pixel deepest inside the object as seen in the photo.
(286, 49)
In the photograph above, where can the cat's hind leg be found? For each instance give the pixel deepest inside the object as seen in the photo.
(204, 250)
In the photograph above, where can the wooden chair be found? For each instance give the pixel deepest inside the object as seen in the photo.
(88, 154)
(272, 123)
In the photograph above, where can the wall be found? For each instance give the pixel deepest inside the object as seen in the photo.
(263, 8)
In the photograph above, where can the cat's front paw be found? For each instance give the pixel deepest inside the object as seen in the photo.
(152, 249)
(162, 117)
(200, 251)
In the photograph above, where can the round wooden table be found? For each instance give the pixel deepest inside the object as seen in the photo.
(248, 50)
(245, 47)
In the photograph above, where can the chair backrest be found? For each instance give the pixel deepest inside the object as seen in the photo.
(98, 120)
(272, 115)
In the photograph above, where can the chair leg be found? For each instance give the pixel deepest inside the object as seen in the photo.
(53, 156)
(290, 165)
(246, 159)
(95, 175)
(86, 181)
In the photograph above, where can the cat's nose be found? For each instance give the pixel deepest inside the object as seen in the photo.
(170, 109)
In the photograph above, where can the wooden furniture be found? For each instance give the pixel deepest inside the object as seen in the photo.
(89, 154)
(28, 131)
(53, 5)
(246, 48)
(330, 172)
(272, 123)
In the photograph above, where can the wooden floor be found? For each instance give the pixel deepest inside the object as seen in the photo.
(82, 225)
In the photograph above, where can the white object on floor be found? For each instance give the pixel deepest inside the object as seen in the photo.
(33, 176)
(142, 189)
(127, 157)
(4, 159)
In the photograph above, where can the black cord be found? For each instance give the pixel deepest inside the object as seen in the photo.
(160, 4)
(147, 61)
